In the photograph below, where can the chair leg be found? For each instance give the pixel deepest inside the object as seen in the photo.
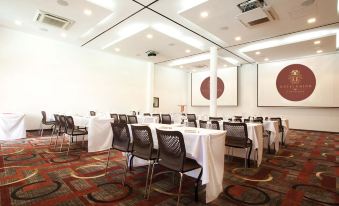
(42, 130)
(180, 186)
(197, 186)
(62, 143)
(147, 178)
(69, 145)
(245, 157)
(107, 161)
(131, 163)
(125, 170)
(150, 181)
(83, 141)
(249, 156)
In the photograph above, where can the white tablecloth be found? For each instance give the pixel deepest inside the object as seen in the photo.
(147, 119)
(100, 135)
(207, 148)
(12, 126)
(273, 128)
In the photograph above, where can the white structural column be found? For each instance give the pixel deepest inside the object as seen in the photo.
(150, 87)
(213, 80)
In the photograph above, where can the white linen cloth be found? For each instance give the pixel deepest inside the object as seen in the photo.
(100, 134)
(147, 119)
(273, 128)
(207, 148)
(12, 126)
(286, 126)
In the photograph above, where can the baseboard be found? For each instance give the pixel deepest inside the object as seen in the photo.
(306, 130)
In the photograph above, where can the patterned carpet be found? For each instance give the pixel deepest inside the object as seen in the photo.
(305, 172)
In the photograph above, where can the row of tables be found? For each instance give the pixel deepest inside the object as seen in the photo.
(206, 146)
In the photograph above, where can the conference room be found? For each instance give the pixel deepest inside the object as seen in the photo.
(169, 102)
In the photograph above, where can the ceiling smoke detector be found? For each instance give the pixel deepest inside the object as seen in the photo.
(151, 53)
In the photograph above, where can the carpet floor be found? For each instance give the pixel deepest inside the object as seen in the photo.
(305, 172)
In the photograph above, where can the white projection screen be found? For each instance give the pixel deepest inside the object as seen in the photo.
(307, 82)
(227, 87)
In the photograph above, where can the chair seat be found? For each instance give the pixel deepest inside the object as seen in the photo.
(154, 155)
(189, 165)
(122, 148)
(77, 132)
(50, 123)
(237, 142)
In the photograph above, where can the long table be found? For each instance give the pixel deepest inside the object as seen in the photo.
(206, 147)
(12, 126)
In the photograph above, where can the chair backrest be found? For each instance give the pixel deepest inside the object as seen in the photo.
(215, 125)
(134, 113)
(191, 117)
(216, 118)
(147, 114)
(157, 115)
(142, 140)
(166, 119)
(253, 120)
(259, 119)
(115, 117)
(192, 124)
(279, 122)
(132, 119)
(92, 113)
(69, 123)
(236, 132)
(172, 151)
(121, 136)
(57, 119)
(44, 118)
(122, 118)
(237, 119)
(202, 124)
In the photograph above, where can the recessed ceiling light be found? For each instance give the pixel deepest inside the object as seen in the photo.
(194, 70)
(311, 20)
(238, 38)
(204, 14)
(17, 22)
(266, 59)
(117, 49)
(87, 12)
(149, 36)
(319, 51)
(225, 65)
(188, 51)
(316, 42)
(181, 67)
(63, 35)
(258, 53)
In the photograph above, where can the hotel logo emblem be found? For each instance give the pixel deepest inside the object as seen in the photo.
(205, 88)
(296, 82)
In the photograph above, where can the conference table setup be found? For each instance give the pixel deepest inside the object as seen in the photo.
(12, 126)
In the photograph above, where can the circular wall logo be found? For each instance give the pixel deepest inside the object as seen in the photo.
(296, 82)
(205, 88)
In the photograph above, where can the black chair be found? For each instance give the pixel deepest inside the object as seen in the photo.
(172, 155)
(122, 142)
(192, 124)
(45, 122)
(92, 113)
(259, 119)
(115, 118)
(122, 118)
(191, 117)
(166, 119)
(216, 118)
(281, 128)
(56, 129)
(143, 148)
(237, 137)
(203, 124)
(147, 114)
(73, 131)
(158, 116)
(237, 119)
(253, 120)
(132, 119)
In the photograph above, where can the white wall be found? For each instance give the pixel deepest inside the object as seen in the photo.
(320, 119)
(170, 85)
(41, 74)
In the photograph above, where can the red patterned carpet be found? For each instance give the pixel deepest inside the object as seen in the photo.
(305, 172)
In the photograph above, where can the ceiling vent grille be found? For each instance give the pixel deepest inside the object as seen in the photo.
(257, 16)
(53, 20)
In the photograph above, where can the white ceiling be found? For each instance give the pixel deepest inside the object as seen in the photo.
(176, 26)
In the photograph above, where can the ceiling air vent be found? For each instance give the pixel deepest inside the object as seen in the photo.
(53, 20)
(255, 12)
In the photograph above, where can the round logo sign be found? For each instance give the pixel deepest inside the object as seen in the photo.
(296, 82)
(205, 88)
